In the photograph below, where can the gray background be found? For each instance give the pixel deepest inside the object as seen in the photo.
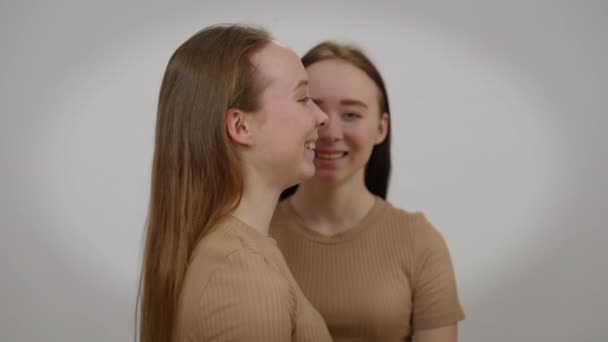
(499, 117)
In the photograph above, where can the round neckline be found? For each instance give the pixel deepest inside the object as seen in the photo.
(302, 229)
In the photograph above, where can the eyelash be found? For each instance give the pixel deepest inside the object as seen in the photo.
(304, 99)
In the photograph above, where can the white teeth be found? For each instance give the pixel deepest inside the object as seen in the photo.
(336, 155)
(310, 145)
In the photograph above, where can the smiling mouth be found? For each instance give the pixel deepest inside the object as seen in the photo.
(330, 156)
(310, 145)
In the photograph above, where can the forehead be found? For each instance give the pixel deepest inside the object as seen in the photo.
(336, 79)
(279, 67)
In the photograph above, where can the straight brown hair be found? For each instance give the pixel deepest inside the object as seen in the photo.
(196, 174)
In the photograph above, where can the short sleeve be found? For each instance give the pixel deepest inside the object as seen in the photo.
(246, 300)
(435, 296)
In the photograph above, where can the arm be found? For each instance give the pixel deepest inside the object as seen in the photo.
(444, 334)
(436, 306)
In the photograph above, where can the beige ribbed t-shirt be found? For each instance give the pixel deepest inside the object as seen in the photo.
(239, 288)
(385, 278)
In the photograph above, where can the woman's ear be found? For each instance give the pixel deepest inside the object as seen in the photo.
(382, 128)
(238, 127)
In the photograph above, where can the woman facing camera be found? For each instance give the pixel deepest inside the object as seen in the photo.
(375, 272)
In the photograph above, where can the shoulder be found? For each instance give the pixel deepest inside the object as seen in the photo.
(245, 297)
(410, 229)
(245, 281)
(402, 221)
(228, 258)
(246, 267)
(415, 223)
(225, 241)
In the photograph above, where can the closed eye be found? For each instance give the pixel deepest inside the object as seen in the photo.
(305, 99)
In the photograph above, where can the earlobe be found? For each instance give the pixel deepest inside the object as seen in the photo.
(382, 128)
(237, 127)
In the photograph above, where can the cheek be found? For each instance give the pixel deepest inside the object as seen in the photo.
(301, 121)
(291, 129)
(361, 137)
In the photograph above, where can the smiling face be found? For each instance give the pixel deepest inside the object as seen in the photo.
(355, 125)
(285, 128)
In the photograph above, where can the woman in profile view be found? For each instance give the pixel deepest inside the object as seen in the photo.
(235, 127)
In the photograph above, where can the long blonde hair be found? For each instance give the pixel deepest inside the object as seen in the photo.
(196, 177)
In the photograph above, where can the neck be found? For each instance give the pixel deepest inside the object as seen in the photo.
(332, 209)
(258, 203)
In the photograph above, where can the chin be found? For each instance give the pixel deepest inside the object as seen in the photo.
(328, 177)
(307, 173)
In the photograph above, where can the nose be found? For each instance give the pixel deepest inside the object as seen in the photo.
(320, 116)
(331, 130)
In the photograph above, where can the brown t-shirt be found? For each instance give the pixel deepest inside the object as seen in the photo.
(239, 288)
(381, 280)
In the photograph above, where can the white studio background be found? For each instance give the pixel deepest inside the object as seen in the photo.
(499, 115)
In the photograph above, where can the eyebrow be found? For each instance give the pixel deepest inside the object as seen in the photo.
(351, 102)
(302, 83)
(346, 102)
